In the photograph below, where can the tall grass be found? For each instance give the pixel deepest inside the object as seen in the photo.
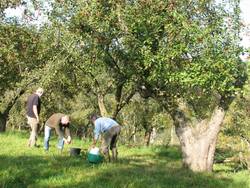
(154, 167)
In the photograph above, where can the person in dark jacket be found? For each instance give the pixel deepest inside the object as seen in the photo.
(32, 114)
(60, 122)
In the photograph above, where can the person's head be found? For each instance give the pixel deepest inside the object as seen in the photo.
(39, 91)
(65, 120)
(93, 117)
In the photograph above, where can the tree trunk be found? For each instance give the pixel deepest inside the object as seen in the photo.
(5, 114)
(147, 137)
(101, 105)
(121, 103)
(3, 121)
(198, 140)
(134, 138)
(153, 135)
(174, 140)
(133, 135)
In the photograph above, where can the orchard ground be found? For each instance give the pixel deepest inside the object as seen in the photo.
(138, 166)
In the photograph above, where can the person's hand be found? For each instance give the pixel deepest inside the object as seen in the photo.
(91, 146)
(94, 143)
(65, 140)
(69, 139)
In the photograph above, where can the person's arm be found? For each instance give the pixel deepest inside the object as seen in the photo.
(94, 143)
(96, 134)
(67, 133)
(34, 107)
(35, 112)
(59, 132)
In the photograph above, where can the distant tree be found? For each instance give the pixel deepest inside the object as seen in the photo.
(185, 54)
(8, 3)
(237, 122)
(102, 58)
(18, 53)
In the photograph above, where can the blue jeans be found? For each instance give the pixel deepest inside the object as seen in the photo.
(47, 131)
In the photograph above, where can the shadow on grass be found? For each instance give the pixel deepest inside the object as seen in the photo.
(22, 171)
(155, 176)
(159, 169)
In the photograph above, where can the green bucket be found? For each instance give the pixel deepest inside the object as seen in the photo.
(94, 158)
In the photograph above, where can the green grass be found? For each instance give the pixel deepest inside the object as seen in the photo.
(152, 167)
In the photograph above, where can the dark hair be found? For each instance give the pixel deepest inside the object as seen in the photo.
(93, 116)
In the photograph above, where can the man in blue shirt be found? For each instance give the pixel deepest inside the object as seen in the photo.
(110, 130)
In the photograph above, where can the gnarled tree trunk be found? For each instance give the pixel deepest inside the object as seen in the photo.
(198, 140)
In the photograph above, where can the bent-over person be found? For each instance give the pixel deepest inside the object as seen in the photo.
(60, 122)
(110, 131)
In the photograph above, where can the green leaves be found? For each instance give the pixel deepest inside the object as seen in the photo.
(185, 49)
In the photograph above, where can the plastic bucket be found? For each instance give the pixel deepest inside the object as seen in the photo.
(75, 151)
(92, 158)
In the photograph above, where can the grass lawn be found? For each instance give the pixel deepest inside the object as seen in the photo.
(152, 167)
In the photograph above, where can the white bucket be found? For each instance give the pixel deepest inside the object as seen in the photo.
(94, 151)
